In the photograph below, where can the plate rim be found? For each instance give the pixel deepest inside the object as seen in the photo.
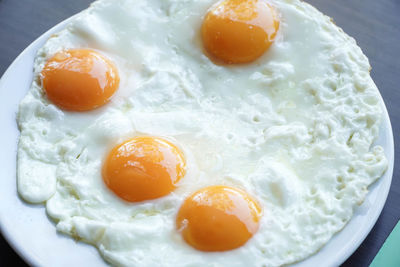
(18, 248)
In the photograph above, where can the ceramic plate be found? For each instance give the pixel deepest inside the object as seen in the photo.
(33, 235)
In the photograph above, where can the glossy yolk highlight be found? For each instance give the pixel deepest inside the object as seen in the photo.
(143, 168)
(79, 79)
(218, 218)
(239, 31)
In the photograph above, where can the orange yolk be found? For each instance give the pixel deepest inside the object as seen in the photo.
(239, 31)
(79, 79)
(218, 218)
(143, 168)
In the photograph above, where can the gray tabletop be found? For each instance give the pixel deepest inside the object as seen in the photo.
(374, 24)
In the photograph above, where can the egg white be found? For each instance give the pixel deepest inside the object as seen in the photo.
(294, 129)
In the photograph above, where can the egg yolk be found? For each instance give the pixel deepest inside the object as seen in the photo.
(79, 79)
(218, 218)
(239, 31)
(143, 168)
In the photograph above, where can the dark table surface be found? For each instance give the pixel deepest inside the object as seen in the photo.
(374, 24)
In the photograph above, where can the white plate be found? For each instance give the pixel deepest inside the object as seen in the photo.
(31, 233)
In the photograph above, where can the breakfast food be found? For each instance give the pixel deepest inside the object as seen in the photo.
(191, 133)
(239, 31)
(236, 212)
(79, 79)
(155, 167)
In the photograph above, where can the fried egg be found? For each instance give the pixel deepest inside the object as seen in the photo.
(200, 133)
